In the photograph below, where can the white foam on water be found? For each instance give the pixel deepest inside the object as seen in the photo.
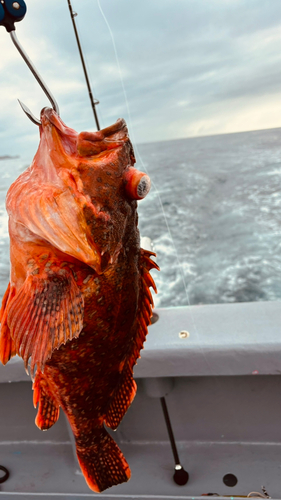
(4, 234)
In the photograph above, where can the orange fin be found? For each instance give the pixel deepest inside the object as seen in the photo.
(149, 281)
(147, 262)
(4, 302)
(122, 398)
(102, 463)
(145, 304)
(48, 411)
(7, 345)
(46, 312)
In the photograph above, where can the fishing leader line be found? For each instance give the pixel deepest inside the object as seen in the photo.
(136, 148)
(180, 267)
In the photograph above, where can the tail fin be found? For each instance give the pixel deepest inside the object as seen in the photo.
(102, 462)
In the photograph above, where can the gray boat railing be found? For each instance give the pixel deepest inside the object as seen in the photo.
(203, 340)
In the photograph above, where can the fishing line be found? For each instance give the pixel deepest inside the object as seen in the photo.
(179, 264)
(137, 151)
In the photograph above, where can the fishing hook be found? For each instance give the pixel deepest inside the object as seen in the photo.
(11, 12)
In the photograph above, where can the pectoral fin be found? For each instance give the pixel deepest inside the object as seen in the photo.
(45, 313)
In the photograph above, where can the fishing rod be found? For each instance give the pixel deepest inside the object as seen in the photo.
(93, 101)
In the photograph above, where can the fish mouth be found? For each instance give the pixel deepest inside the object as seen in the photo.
(84, 144)
(94, 143)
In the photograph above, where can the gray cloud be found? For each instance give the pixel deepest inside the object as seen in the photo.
(188, 67)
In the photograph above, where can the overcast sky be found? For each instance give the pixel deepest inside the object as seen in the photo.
(189, 67)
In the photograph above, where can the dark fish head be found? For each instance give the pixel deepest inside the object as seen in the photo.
(98, 186)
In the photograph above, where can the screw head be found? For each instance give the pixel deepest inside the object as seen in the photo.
(16, 5)
(184, 334)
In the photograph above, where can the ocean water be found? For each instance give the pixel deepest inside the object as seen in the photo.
(220, 238)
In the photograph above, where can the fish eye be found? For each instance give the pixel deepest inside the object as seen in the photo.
(143, 186)
(137, 184)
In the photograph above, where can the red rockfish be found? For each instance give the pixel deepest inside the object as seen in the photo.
(78, 302)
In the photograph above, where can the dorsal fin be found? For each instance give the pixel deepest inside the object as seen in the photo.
(145, 303)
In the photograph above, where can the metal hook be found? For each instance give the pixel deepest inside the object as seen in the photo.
(38, 78)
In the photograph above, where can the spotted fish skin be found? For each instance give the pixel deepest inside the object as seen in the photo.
(79, 302)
